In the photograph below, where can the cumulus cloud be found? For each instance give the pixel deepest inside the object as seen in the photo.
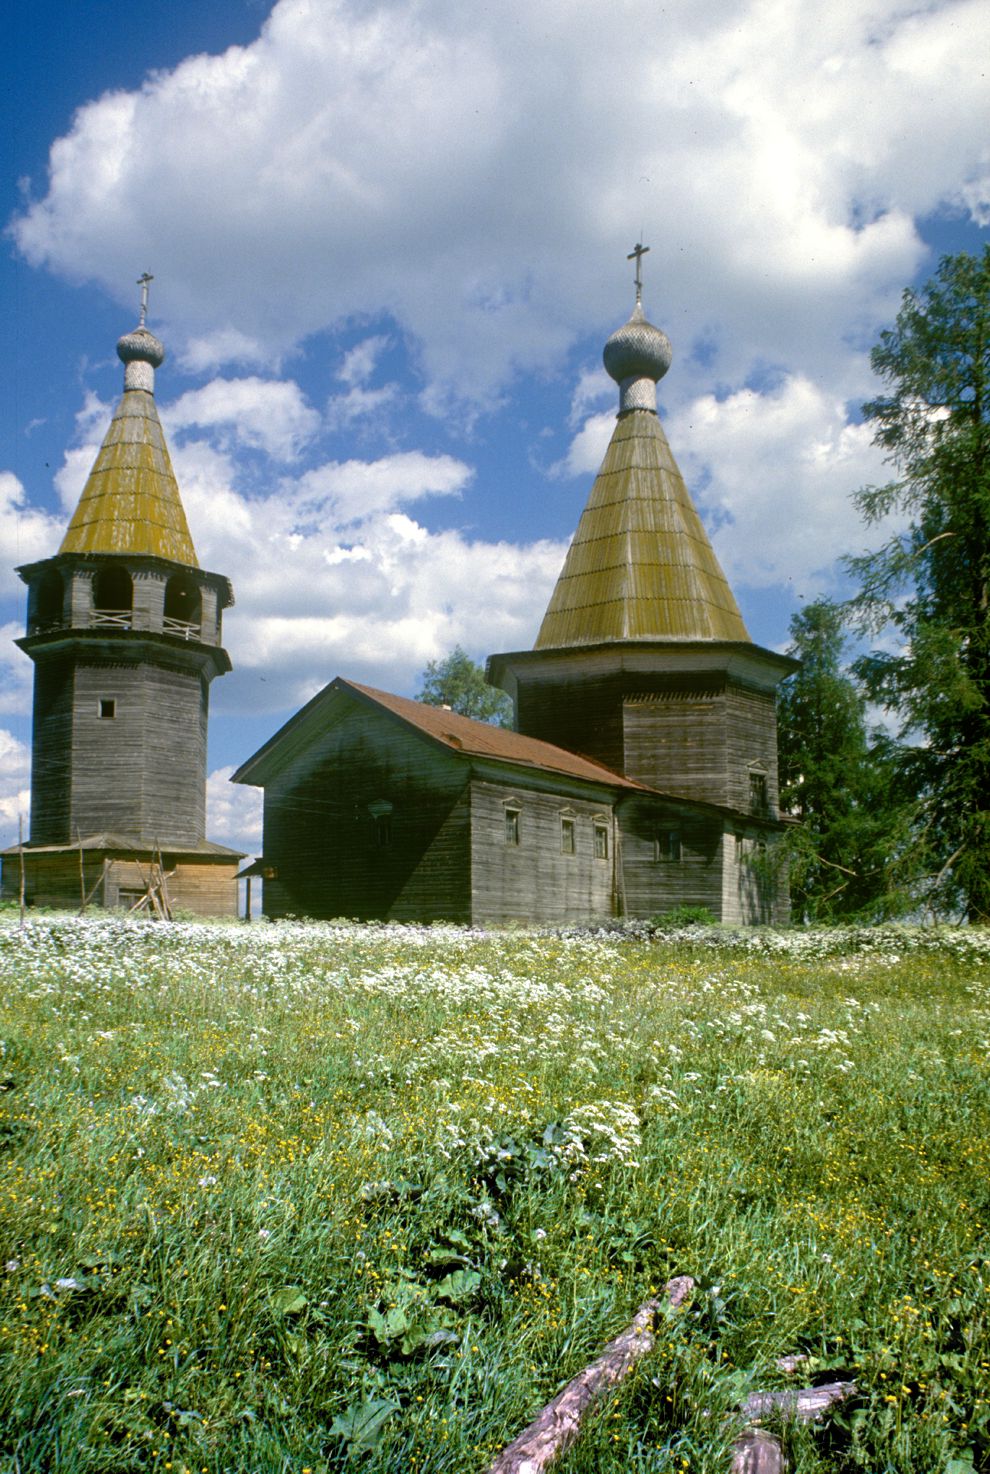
(26, 534)
(263, 414)
(468, 171)
(15, 793)
(233, 812)
(774, 472)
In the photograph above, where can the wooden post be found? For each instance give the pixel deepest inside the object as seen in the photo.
(559, 1423)
(247, 898)
(82, 876)
(20, 852)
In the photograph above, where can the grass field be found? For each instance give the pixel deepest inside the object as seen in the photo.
(313, 1198)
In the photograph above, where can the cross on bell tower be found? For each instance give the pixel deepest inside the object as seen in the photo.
(638, 251)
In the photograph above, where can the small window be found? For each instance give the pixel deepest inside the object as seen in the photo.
(383, 831)
(601, 841)
(667, 846)
(758, 800)
(567, 845)
(108, 708)
(512, 826)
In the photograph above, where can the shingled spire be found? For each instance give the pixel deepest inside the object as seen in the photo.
(131, 503)
(640, 565)
(643, 660)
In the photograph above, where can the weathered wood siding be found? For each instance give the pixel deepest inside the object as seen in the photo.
(141, 772)
(693, 735)
(581, 715)
(534, 880)
(206, 888)
(755, 888)
(675, 739)
(653, 884)
(51, 753)
(323, 839)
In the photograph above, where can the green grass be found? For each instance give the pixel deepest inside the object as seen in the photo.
(326, 1198)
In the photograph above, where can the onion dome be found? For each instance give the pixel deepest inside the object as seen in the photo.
(637, 356)
(141, 353)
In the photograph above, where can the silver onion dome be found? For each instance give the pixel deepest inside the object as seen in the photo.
(141, 353)
(637, 356)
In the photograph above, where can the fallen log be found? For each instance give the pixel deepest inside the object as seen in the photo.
(558, 1425)
(804, 1404)
(757, 1452)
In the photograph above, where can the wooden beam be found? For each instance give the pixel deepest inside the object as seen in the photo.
(559, 1423)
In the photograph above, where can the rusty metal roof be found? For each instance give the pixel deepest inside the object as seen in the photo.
(463, 735)
(640, 566)
(130, 503)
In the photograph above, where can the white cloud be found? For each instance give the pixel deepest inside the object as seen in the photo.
(233, 812)
(358, 403)
(16, 671)
(588, 446)
(26, 534)
(775, 472)
(264, 414)
(332, 575)
(15, 794)
(470, 170)
(359, 362)
(350, 491)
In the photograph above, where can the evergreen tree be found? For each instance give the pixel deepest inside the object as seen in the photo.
(457, 682)
(929, 585)
(845, 859)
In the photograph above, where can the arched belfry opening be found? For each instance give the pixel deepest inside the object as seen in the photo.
(113, 591)
(183, 606)
(49, 601)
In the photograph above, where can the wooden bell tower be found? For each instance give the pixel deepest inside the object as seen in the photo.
(124, 629)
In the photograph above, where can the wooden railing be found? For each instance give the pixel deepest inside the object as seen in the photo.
(186, 629)
(118, 619)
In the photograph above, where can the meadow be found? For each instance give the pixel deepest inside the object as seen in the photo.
(328, 1197)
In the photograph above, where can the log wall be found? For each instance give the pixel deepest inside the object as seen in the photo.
(325, 841)
(536, 880)
(653, 881)
(140, 772)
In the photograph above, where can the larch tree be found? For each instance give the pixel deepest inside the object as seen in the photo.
(928, 587)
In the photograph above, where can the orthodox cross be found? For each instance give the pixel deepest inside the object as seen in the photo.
(143, 281)
(639, 251)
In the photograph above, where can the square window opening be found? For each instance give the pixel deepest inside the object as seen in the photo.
(667, 846)
(108, 708)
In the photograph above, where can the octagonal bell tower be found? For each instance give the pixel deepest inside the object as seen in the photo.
(124, 629)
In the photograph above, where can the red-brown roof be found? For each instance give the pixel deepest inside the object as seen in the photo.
(456, 733)
(479, 739)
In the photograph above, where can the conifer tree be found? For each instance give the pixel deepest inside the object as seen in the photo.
(928, 587)
(846, 859)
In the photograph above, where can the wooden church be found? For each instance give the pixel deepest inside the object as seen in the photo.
(642, 772)
(124, 629)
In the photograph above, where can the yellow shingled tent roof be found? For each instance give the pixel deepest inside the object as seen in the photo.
(640, 566)
(130, 503)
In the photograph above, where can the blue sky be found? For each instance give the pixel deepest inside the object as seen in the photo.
(388, 242)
